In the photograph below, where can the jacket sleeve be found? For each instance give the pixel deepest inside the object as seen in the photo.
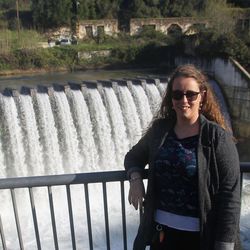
(138, 156)
(228, 197)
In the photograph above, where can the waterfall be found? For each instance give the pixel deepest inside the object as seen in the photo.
(142, 104)
(66, 132)
(117, 123)
(154, 97)
(130, 114)
(102, 130)
(31, 136)
(84, 129)
(73, 128)
(48, 133)
(12, 138)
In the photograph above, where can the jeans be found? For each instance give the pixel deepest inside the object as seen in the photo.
(173, 239)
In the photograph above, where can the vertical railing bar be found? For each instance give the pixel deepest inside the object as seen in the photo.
(2, 235)
(241, 183)
(52, 215)
(19, 233)
(33, 209)
(106, 214)
(124, 226)
(140, 213)
(71, 217)
(86, 191)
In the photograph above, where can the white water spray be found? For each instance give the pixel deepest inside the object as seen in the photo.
(66, 133)
(119, 130)
(84, 129)
(33, 149)
(102, 130)
(141, 102)
(130, 114)
(12, 138)
(48, 134)
(154, 97)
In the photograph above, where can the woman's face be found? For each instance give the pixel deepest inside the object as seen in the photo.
(186, 98)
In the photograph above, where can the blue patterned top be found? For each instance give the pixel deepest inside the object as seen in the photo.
(176, 176)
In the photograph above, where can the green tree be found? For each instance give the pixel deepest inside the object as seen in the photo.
(241, 3)
(178, 8)
(220, 16)
(145, 8)
(47, 14)
(83, 9)
(107, 8)
(92, 10)
(7, 4)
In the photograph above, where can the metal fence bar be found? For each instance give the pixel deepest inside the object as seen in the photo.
(86, 190)
(71, 218)
(19, 232)
(2, 235)
(52, 214)
(104, 188)
(33, 209)
(66, 179)
(124, 226)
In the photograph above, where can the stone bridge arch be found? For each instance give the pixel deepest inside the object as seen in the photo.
(164, 24)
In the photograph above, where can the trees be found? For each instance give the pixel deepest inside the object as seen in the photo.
(47, 14)
(220, 16)
(241, 3)
(7, 4)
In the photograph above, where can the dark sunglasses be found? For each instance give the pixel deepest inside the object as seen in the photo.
(190, 95)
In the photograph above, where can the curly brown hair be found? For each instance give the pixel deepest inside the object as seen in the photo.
(210, 107)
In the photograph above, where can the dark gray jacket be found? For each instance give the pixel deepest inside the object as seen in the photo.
(218, 178)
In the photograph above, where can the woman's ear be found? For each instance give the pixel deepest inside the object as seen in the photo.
(203, 96)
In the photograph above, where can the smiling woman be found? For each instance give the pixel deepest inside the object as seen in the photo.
(193, 193)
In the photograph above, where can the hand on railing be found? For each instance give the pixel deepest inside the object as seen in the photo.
(136, 190)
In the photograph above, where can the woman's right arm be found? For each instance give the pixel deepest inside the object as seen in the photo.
(138, 156)
(135, 161)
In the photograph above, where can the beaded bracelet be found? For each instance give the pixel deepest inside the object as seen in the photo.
(135, 179)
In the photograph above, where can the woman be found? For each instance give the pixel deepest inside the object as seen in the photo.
(193, 192)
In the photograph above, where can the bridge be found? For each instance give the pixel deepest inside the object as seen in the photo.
(93, 28)
(187, 25)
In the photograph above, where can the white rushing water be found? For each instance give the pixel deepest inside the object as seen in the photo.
(73, 131)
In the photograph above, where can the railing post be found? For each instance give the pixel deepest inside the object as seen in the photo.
(71, 218)
(2, 235)
(19, 232)
(124, 226)
(53, 220)
(33, 208)
(106, 214)
(86, 191)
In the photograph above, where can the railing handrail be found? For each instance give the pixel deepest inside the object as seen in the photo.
(78, 178)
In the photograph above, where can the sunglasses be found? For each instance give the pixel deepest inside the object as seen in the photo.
(190, 95)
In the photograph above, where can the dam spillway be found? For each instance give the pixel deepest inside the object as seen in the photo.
(75, 127)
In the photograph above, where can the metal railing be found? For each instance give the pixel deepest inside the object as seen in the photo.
(67, 180)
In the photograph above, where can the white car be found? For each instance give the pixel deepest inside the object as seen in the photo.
(65, 41)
